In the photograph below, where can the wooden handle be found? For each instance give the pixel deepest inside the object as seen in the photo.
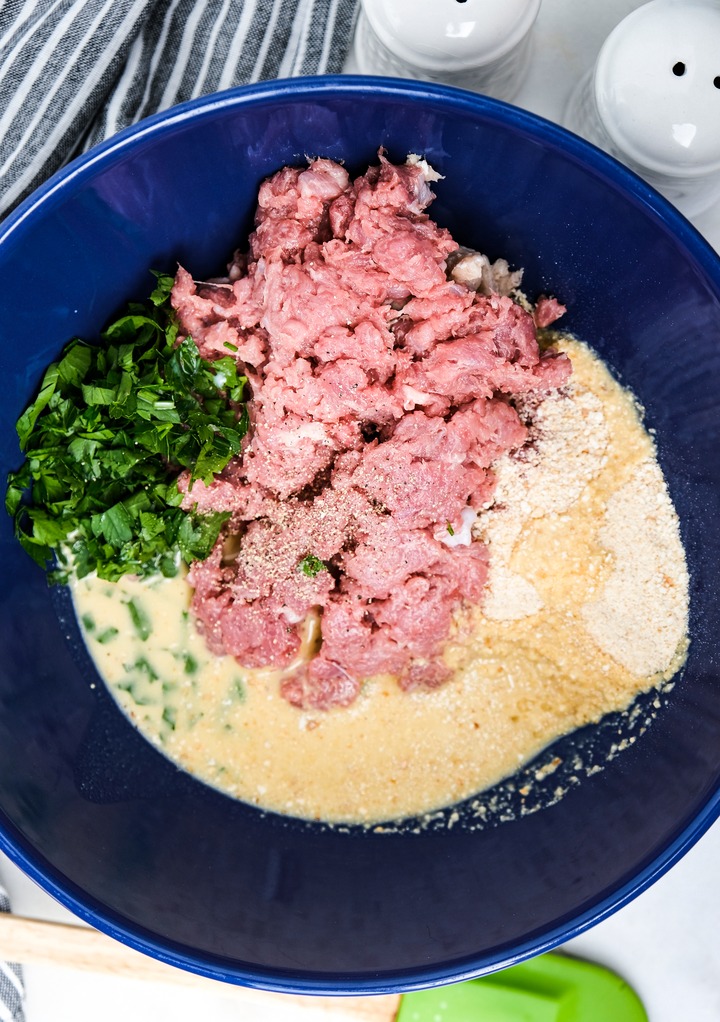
(35, 942)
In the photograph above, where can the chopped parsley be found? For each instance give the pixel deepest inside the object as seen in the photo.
(144, 665)
(141, 621)
(105, 439)
(310, 565)
(169, 716)
(107, 635)
(190, 664)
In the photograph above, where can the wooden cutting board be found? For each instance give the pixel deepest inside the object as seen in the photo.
(35, 942)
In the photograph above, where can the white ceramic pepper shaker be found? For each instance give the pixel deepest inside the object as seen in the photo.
(653, 99)
(474, 44)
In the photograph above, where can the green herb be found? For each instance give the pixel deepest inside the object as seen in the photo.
(450, 529)
(142, 664)
(170, 717)
(140, 619)
(190, 664)
(110, 430)
(88, 622)
(238, 690)
(310, 565)
(107, 635)
(129, 687)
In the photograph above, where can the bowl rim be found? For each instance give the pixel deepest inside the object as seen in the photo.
(611, 169)
(616, 175)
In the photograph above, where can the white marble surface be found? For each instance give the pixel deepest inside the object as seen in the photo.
(665, 942)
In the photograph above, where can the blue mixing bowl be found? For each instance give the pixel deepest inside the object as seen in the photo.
(144, 852)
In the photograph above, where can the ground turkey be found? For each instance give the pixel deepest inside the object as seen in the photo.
(382, 394)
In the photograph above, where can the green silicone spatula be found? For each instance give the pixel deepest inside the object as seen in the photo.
(550, 988)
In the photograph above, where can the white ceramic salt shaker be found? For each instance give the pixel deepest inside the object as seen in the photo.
(473, 44)
(653, 99)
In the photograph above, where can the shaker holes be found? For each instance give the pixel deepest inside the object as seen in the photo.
(679, 69)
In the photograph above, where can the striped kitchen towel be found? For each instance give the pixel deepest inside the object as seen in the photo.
(12, 991)
(73, 72)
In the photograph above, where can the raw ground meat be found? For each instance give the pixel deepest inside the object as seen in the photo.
(382, 393)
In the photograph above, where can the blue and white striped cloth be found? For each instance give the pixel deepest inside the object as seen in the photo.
(74, 72)
(12, 990)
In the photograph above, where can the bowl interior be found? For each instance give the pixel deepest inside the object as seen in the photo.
(113, 829)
